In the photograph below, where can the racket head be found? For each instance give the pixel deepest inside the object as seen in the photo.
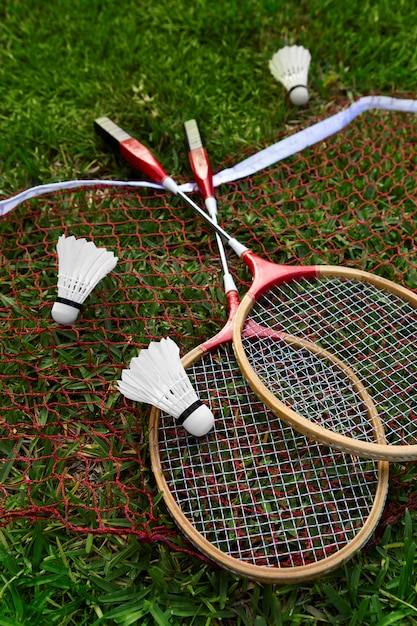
(310, 508)
(365, 321)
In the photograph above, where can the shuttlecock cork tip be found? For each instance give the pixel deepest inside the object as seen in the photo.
(199, 422)
(299, 95)
(64, 313)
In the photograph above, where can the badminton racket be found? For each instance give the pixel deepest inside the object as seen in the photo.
(342, 330)
(254, 495)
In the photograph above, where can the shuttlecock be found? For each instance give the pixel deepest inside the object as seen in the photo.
(158, 377)
(290, 67)
(81, 265)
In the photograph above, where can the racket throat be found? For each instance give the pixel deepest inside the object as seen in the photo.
(267, 274)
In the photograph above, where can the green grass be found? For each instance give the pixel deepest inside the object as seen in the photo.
(153, 66)
(150, 66)
(49, 577)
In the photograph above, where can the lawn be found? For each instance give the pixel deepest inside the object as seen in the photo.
(86, 538)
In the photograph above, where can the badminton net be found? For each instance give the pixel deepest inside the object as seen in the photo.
(71, 448)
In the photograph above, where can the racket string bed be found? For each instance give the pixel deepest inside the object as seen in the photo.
(371, 330)
(310, 385)
(256, 489)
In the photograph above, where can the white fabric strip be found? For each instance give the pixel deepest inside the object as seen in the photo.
(310, 136)
(41, 190)
(259, 161)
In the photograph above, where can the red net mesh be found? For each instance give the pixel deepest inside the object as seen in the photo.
(71, 447)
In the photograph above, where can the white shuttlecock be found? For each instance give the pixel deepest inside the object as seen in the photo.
(158, 377)
(290, 67)
(81, 265)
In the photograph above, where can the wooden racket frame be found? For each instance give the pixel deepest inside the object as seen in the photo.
(378, 450)
(263, 574)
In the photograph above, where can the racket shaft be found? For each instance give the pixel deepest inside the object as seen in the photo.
(202, 171)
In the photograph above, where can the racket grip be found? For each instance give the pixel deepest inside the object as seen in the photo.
(142, 159)
(202, 172)
(134, 152)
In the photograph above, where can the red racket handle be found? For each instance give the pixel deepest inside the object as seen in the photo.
(142, 159)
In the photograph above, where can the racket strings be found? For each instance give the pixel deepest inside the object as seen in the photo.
(371, 330)
(310, 385)
(256, 489)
